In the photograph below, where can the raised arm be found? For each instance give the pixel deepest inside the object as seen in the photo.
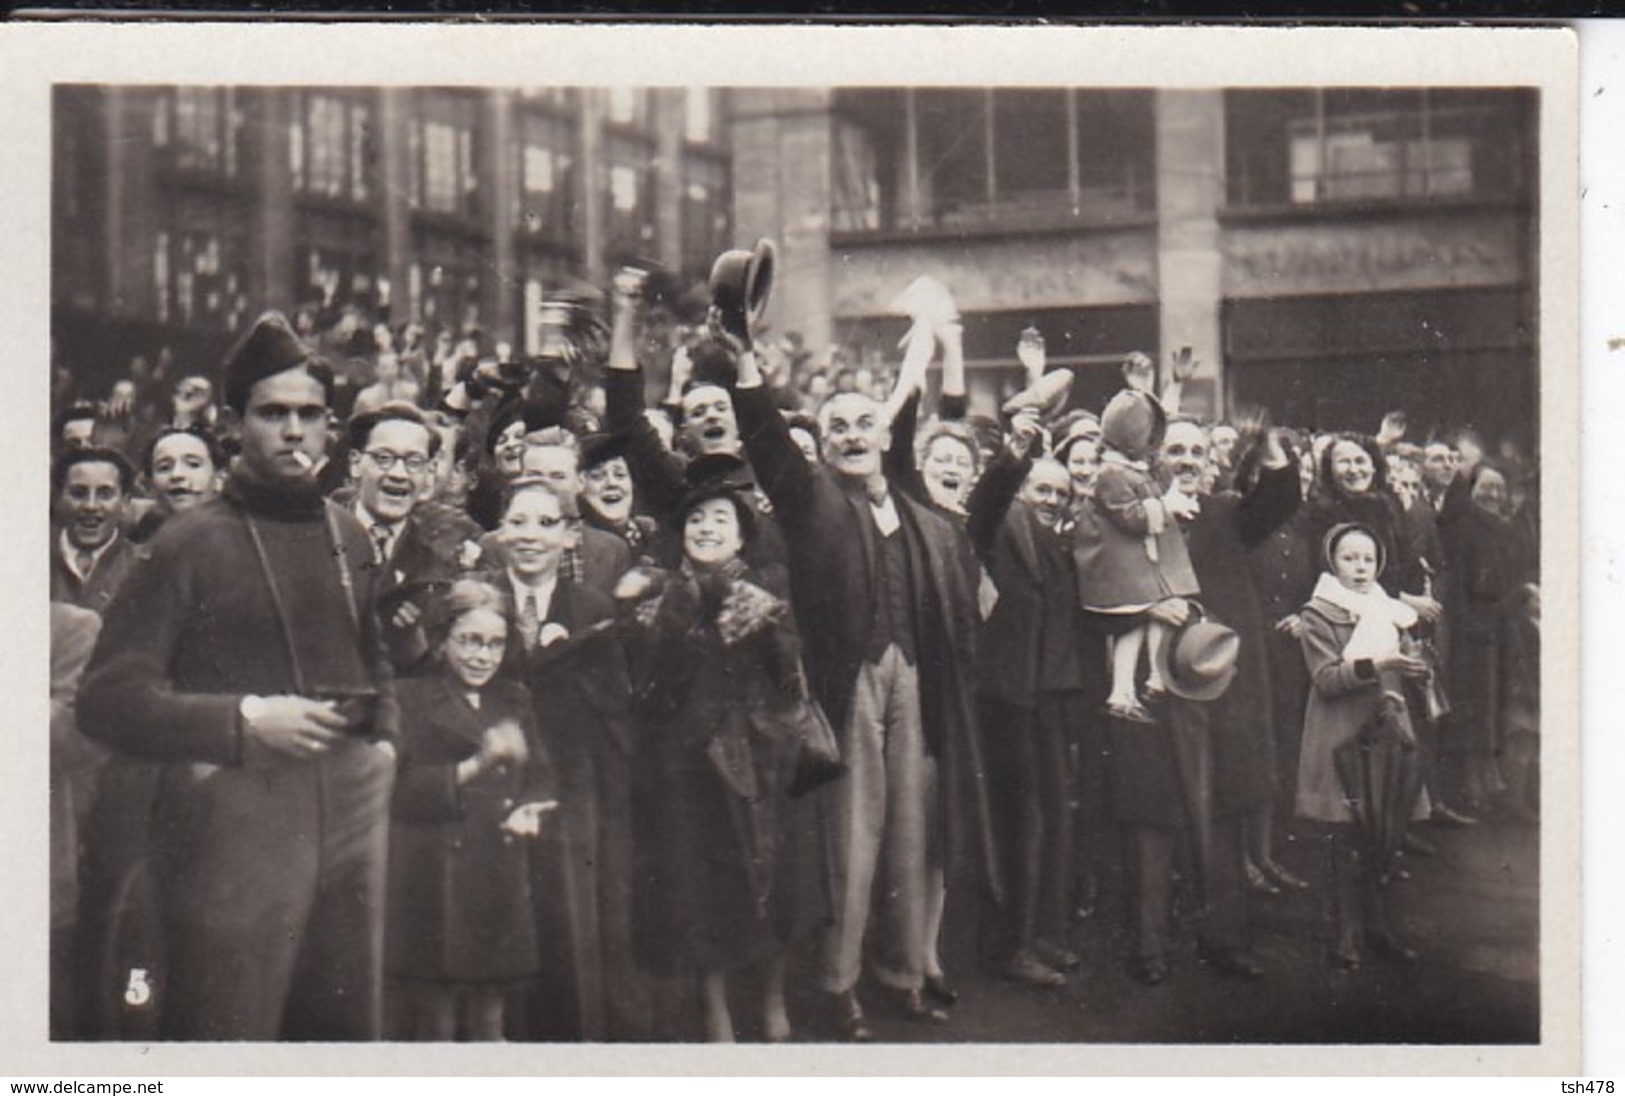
(990, 500)
(1273, 498)
(658, 471)
(780, 466)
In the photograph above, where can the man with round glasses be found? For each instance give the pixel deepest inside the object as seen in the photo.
(392, 450)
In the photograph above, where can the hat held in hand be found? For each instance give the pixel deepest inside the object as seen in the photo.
(741, 283)
(927, 299)
(1198, 661)
(1047, 394)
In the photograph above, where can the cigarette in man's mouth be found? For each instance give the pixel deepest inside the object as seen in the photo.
(305, 463)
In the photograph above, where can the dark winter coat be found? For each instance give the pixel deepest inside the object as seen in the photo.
(729, 869)
(459, 889)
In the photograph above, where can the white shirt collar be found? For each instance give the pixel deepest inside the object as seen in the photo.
(542, 593)
(70, 553)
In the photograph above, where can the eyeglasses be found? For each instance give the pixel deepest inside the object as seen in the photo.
(546, 521)
(471, 644)
(385, 460)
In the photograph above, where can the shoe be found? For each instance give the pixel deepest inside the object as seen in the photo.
(1024, 967)
(1150, 970)
(1258, 882)
(1415, 846)
(938, 988)
(1282, 877)
(1233, 963)
(911, 1003)
(1054, 955)
(1444, 816)
(850, 1023)
(1389, 947)
(1130, 711)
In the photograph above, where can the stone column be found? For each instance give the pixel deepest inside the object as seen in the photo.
(590, 177)
(394, 190)
(502, 282)
(670, 122)
(271, 241)
(131, 203)
(1190, 191)
(782, 147)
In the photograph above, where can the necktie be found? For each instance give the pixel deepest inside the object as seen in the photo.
(380, 543)
(85, 561)
(530, 622)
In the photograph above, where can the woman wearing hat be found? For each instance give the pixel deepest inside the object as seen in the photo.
(728, 867)
(1353, 635)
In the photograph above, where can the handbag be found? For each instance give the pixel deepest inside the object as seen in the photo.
(818, 758)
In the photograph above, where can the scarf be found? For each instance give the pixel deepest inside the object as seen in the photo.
(1378, 618)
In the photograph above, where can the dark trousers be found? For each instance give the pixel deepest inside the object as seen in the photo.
(1028, 759)
(1215, 844)
(1223, 924)
(270, 884)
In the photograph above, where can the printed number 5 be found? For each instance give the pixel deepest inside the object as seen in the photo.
(138, 991)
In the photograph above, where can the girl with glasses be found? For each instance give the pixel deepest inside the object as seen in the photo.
(474, 786)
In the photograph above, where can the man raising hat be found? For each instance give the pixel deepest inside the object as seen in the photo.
(245, 655)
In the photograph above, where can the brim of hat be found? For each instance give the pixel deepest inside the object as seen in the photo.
(1213, 690)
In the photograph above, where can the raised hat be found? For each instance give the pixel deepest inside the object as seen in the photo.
(741, 282)
(1048, 394)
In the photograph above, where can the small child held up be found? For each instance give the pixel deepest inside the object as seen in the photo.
(1128, 548)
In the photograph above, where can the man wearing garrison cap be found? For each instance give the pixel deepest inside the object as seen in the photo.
(245, 656)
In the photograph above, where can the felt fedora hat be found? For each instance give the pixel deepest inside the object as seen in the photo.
(1198, 661)
(741, 283)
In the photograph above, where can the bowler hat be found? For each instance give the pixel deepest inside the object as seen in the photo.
(1198, 661)
(741, 282)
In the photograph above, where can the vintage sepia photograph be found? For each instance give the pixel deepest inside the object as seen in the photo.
(859, 555)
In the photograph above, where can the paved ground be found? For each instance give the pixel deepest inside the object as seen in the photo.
(1472, 911)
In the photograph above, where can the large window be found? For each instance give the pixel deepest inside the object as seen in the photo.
(706, 224)
(198, 278)
(1004, 158)
(441, 145)
(330, 147)
(626, 180)
(702, 116)
(1305, 147)
(200, 130)
(546, 167)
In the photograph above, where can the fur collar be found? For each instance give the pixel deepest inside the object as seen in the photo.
(746, 608)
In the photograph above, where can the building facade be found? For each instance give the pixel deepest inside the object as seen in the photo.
(181, 212)
(1328, 254)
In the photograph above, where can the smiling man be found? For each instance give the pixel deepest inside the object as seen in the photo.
(90, 556)
(245, 656)
(392, 452)
(708, 425)
(887, 612)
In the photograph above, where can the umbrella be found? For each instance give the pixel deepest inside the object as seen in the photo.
(1382, 778)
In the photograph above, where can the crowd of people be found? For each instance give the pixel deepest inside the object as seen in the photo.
(434, 692)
